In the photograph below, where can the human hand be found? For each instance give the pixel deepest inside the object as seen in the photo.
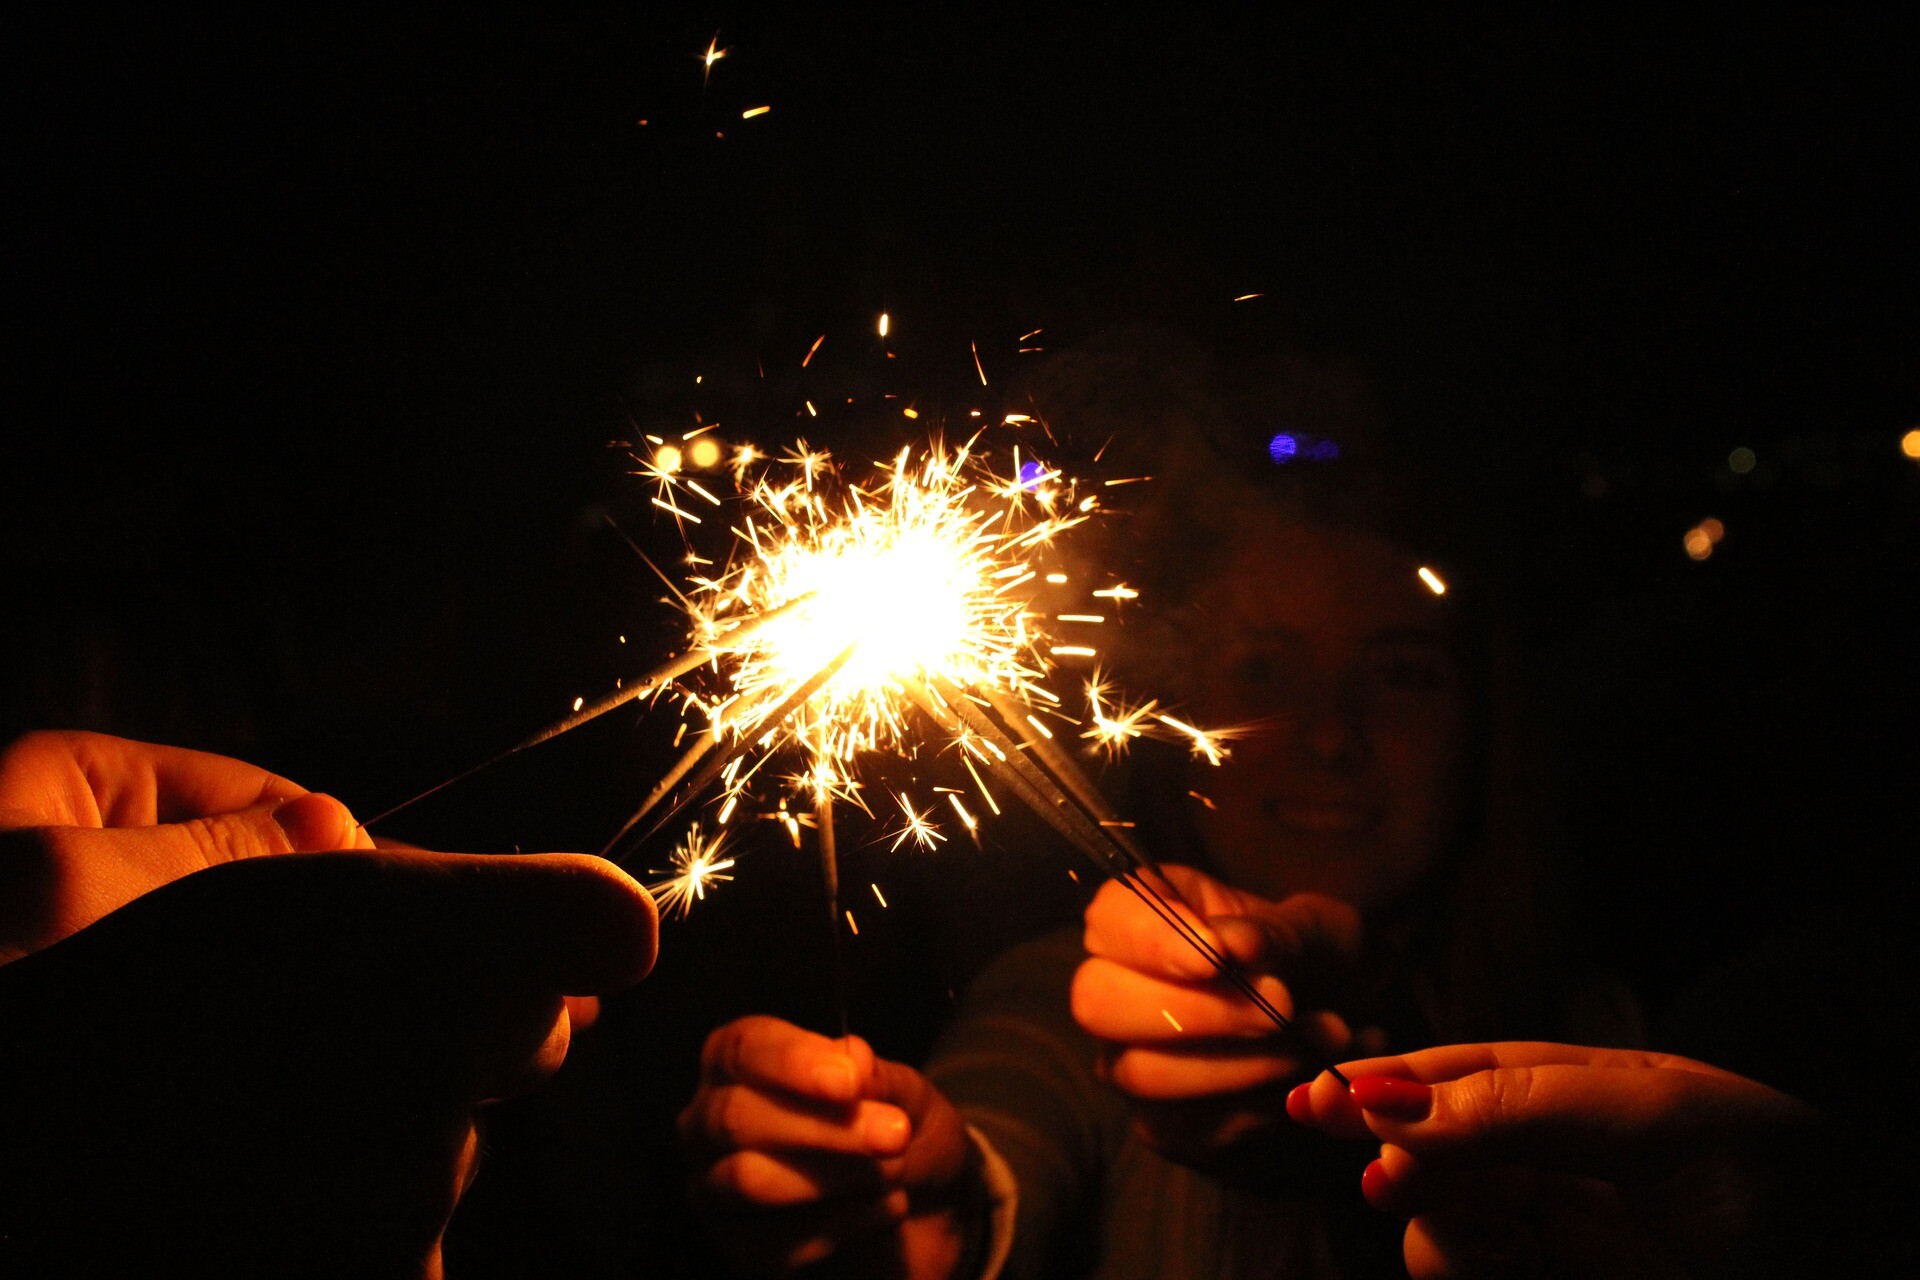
(808, 1148)
(89, 822)
(1203, 1065)
(273, 1066)
(1558, 1160)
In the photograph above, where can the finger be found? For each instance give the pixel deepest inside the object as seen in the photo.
(1121, 926)
(1602, 1122)
(525, 1047)
(1451, 1061)
(775, 1054)
(723, 1119)
(583, 1011)
(1393, 1183)
(782, 1179)
(1309, 930)
(1324, 1103)
(93, 780)
(1154, 1075)
(555, 923)
(59, 880)
(938, 1147)
(1115, 1002)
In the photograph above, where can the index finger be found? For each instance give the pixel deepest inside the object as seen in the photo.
(1452, 1061)
(1123, 926)
(774, 1054)
(75, 779)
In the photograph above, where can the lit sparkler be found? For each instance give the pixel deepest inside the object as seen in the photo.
(848, 603)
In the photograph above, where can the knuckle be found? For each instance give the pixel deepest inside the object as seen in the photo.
(1507, 1095)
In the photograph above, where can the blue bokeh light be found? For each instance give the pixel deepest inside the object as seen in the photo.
(1297, 446)
(1030, 475)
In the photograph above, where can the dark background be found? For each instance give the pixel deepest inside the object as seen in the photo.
(319, 331)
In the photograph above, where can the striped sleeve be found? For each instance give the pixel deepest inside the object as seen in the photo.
(1022, 1073)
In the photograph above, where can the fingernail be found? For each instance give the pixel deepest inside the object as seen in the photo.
(834, 1078)
(1395, 1099)
(1375, 1186)
(1300, 1103)
(315, 823)
(885, 1129)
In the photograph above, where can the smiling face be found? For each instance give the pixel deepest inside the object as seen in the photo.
(1349, 784)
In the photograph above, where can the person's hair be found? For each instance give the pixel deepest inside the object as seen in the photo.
(1491, 951)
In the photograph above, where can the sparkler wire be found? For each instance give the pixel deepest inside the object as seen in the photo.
(1087, 804)
(672, 669)
(714, 767)
(830, 869)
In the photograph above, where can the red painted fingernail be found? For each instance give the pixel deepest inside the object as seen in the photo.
(1375, 1185)
(1396, 1099)
(1300, 1104)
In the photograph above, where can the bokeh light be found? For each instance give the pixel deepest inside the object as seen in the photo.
(1741, 460)
(1910, 444)
(1697, 542)
(704, 453)
(1298, 446)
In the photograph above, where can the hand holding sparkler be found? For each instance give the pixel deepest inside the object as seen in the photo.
(808, 1148)
(1204, 1066)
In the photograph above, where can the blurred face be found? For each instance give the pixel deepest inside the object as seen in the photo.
(1345, 664)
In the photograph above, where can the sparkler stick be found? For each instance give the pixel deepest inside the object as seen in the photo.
(1118, 854)
(830, 870)
(701, 745)
(672, 669)
(1071, 777)
(714, 767)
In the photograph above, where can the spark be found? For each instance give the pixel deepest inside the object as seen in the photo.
(1433, 581)
(967, 820)
(1205, 743)
(579, 703)
(1203, 800)
(696, 865)
(853, 600)
(1248, 297)
(810, 350)
(1173, 1021)
(751, 112)
(713, 54)
(853, 924)
(883, 324)
(917, 828)
(977, 367)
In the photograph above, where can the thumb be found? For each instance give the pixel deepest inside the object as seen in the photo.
(1613, 1123)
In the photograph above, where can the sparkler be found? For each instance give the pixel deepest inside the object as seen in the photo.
(845, 605)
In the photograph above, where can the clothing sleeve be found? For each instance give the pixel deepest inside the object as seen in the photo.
(1022, 1074)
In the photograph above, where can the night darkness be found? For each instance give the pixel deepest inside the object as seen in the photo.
(320, 330)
